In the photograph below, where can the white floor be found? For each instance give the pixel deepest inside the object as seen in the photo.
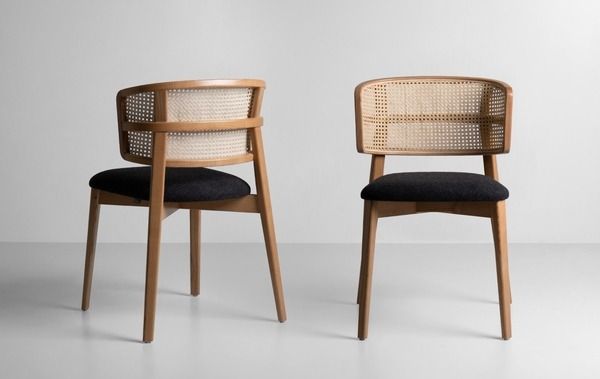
(434, 313)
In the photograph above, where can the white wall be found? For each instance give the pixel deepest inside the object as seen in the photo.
(62, 63)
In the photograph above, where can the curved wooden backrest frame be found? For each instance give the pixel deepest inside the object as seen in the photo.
(433, 115)
(146, 110)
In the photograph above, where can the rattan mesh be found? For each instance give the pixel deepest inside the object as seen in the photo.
(140, 107)
(432, 116)
(207, 104)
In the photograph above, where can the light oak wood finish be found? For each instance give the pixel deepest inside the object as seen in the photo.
(501, 249)
(386, 123)
(266, 213)
(206, 126)
(375, 120)
(266, 217)
(143, 115)
(491, 169)
(377, 165)
(247, 204)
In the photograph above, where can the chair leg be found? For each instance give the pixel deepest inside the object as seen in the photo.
(195, 252)
(90, 250)
(501, 248)
(266, 218)
(495, 234)
(365, 236)
(368, 249)
(360, 280)
(154, 231)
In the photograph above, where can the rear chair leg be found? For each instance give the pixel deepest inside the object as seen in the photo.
(90, 250)
(195, 252)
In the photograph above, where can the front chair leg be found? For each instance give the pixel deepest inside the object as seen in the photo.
(501, 248)
(496, 244)
(90, 250)
(363, 261)
(195, 252)
(154, 231)
(368, 249)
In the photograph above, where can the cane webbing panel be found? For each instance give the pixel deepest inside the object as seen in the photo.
(204, 105)
(188, 105)
(140, 107)
(432, 116)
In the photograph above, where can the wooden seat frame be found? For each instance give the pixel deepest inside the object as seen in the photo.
(159, 210)
(495, 211)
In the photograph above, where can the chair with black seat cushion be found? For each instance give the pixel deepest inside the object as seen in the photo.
(433, 116)
(176, 130)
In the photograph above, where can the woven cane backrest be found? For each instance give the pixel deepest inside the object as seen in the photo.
(139, 107)
(185, 102)
(433, 116)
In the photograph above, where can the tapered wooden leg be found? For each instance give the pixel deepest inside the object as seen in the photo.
(195, 252)
(501, 247)
(368, 249)
(365, 237)
(90, 250)
(156, 213)
(273, 257)
(152, 259)
(266, 217)
(496, 244)
(360, 280)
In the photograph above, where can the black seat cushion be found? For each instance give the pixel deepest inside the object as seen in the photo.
(181, 184)
(434, 186)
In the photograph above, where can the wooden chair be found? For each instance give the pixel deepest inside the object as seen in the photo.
(433, 116)
(178, 129)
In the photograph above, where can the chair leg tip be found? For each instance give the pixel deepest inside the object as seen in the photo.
(147, 339)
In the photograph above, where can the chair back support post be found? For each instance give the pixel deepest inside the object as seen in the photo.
(264, 205)
(256, 143)
(260, 170)
(156, 212)
(490, 168)
(377, 167)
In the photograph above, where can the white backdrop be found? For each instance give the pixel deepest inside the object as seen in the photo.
(62, 63)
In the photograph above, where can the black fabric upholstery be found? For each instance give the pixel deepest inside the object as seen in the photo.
(181, 184)
(434, 186)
